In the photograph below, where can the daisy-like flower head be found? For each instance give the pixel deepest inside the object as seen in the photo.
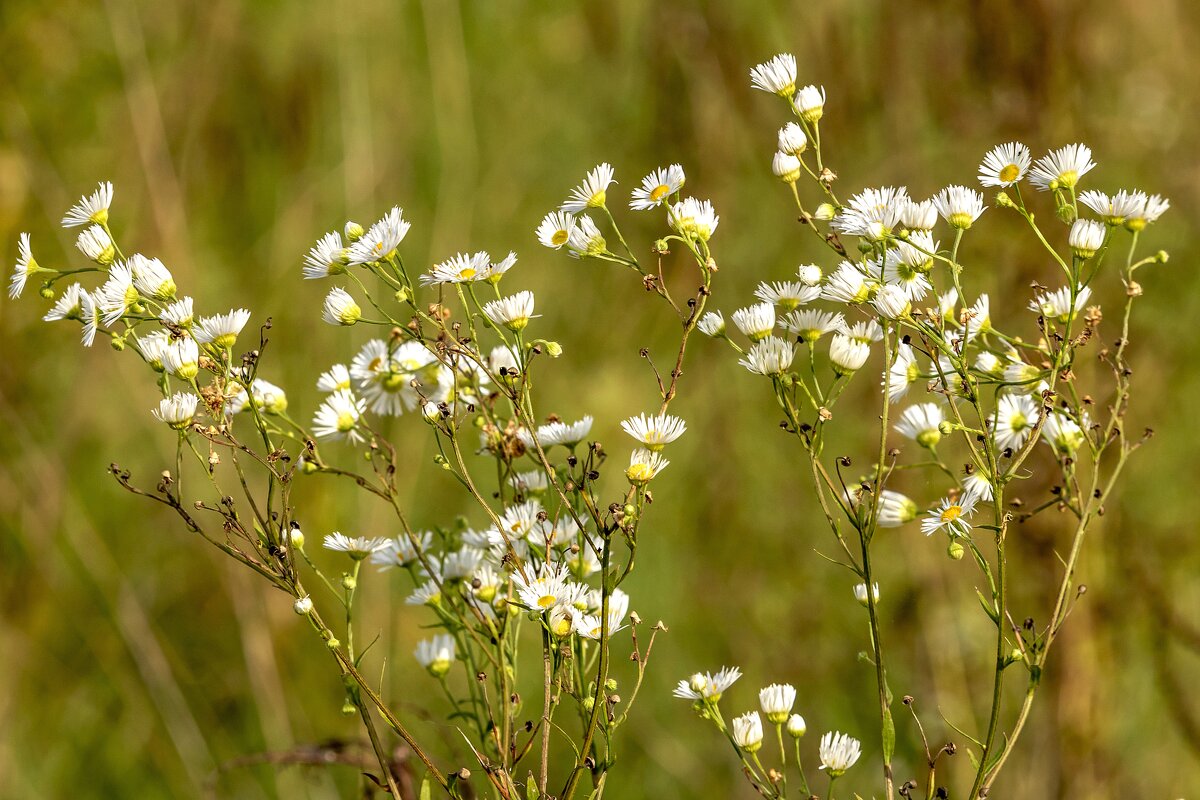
(552, 589)
(334, 378)
(118, 294)
(380, 241)
(93, 208)
(921, 424)
(847, 285)
(892, 302)
(838, 753)
(706, 686)
(153, 346)
(519, 521)
(357, 547)
(978, 486)
(903, 373)
(777, 76)
(327, 257)
(657, 188)
(179, 314)
(656, 431)
(427, 594)
(95, 243)
(947, 304)
(570, 435)
(950, 515)
(895, 509)
(756, 321)
(512, 312)
(866, 332)
(221, 330)
(1087, 236)
(810, 103)
(592, 193)
(694, 219)
(92, 316)
(978, 318)
(809, 274)
(531, 482)
(796, 726)
(1057, 305)
(339, 308)
(1062, 433)
(1116, 209)
(436, 655)
(847, 354)
(792, 139)
(860, 594)
(786, 167)
(771, 357)
(748, 731)
(503, 362)
(263, 395)
(555, 229)
(1062, 168)
(712, 323)
(177, 410)
(68, 306)
(776, 701)
(989, 363)
(811, 324)
(787, 294)
(495, 269)
(337, 418)
(959, 206)
(911, 256)
(920, 216)
(1154, 207)
(872, 213)
(401, 551)
(182, 358)
(1004, 165)
(585, 238)
(644, 465)
(460, 268)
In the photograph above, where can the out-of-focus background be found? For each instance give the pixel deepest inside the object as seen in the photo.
(134, 661)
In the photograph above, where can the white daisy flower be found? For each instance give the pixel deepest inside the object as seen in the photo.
(895, 509)
(947, 304)
(436, 655)
(776, 701)
(921, 424)
(1154, 207)
(460, 268)
(792, 139)
(585, 238)
(644, 465)
(848, 284)
(153, 346)
(777, 76)
(838, 753)
(337, 418)
(93, 208)
(221, 330)
(179, 314)
(555, 229)
(334, 378)
(386, 376)
(989, 364)
(656, 431)
(872, 213)
(182, 358)
(531, 482)
(866, 332)
(978, 318)
(177, 410)
(519, 521)
(92, 316)
(68, 306)
(326, 258)
(892, 302)
(747, 731)
(657, 188)
(401, 552)
(1057, 305)
(787, 294)
(380, 241)
(847, 354)
(811, 324)
(1114, 210)
(1062, 433)
(950, 515)
(357, 547)
(495, 270)
(592, 193)
(1005, 165)
(772, 356)
(552, 589)
(554, 433)
(786, 167)
(151, 278)
(1062, 168)
(694, 219)
(920, 216)
(503, 361)
(809, 274)
(512, 312)
(810, 103)
(1087, 236)
(978, 486)
(756, 321)
(339, 308)
(712, 323)
(706, 686)
(1020, 373)
(959, 206)
(796, 726)
(913, 254)
(903, 373)
(95, 243)
(263, 395)
(427, 594)
(118, 294)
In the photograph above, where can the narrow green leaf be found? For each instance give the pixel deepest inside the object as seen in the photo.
(426, 790)
(889, 736)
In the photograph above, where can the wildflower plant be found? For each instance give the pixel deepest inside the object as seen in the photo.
(1006, 397)
(531, 584)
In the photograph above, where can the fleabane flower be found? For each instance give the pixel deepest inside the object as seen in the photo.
(950, 515)
(1057, 305)
(495, 270)
(177, 410)
(592, 193)
(380, 241)
(810, 103)
(712, 323)
(92, 316)
(1004, 165)
(182, 358)
(401, 551)
(92, 208)
(694, 219)
(756, 321)
(221, 330)
(895, 509)
(512, 312)
(179, 314)
(811, 324)
(459, 268)
(357, 547)
(771, 356)
(551, 589)
(555, 229)
(327, 257)
(1016, 415)
(860, 594)
(777, 76)
(1154, 207)
(1062, 168)
(654, 432)
(338, 416)
(117, 294)
(1062, 433)
(69, 305)
(706, 686)
(892, 302)
(95, 243)
(847, 354)
(838, 752)
(903, 373)
(339, 308)
(920, 216)
(848, 284)
(644, 465)
(657, 188)
(1116, 209)
(809, 274)
(748, 731)
(792, 139)
(26, 265)
(959, 206)
(1087, 236)
(864, 331)
(872, 214)
(585, 238)
(151, 277)
(436, 655)
(786, 167)
(921, 423)
(776, 702)
(787, 295)
(569, 435)
(153, 346)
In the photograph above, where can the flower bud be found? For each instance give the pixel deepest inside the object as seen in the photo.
(955, 550)
(796, 726)
(296, 537)
(303, 606)
(786, 167)
(349, 582)
(353, 231)
(825, 212)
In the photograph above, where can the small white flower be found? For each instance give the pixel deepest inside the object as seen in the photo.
(811, 324)
(809, 274)
(1087, 236)
(336, 377)
(585, 238)
(495, 270)
(1116, 209)
(865, 332)
(796, 726)
(921, 424)
(657, 188)
(1062, 433)
(978, 486)
(179, 314)
(182, 358)
(792, 139)
(547, 591)
(959, 206)
(787, 294)
(92, 316)
(339, 308)
(1016, 415)
(756, 321)
(644, 465)
(357, 547)
(847, 354)
(712, 323)
(706, 686)
(892, 302)
(436, 655)
(838, 753)
(1154, 207)
(570, 435)
(772, 356)
(118, 294)
(656, 431)
(920, 216)
(1057, 305)
(1004, 165)
(873, 213)
(327, 257)
(93, 208)
(777, 76)
(950, 515)
(748, 731)
(337, 417)
(694, 219)
(427, 594)
(978, 318)
(555, 229)
(848, 284)
(151, 278)
(177, 410)
(460, 268)
(68, 306)
(512, 312)
(860, 593)
(776, 701)
(221, 330)
(786, 167)
(895, 509)
(810, 103)
(380, 241)
(95, 243)
(1062, 168)
(401, 551)
(903, 373)
(592, 193)
(263, 395)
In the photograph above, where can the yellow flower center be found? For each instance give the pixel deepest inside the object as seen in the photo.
(547, 601)
(952, 513)
(1010, 173)
(345, 421)
(660, 191)
(559, 238)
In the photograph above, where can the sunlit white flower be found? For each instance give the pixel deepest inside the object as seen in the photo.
(657, 187)
(796, 726)
(1062, 168)
(1020, 373)
(706, 686)
(787, 294)
(555, 229)
(777, 76)
(69, 305)
(809, 274)
(847, 354)
(811, 324)
(1004, 165)
(838, 753)
(334, 378)
(920, 216)
(864, 331)
(756, 321)
(989, 363)
(585, 238)
(872, 213)
(436, 655)
(947, 304)
(453, 566)
(549, 590)
(401, 551)
(786, 167)
(978, 318)
(337, 417)
(117, 294)
(810, 103)
(1087, 236)
(978, 486)
(93, 208)
(959, 206)
(339, 308)
(656, 431)
(903, 373)
(1062, 433)
(460, 268)
(513, 312)
(427, 594)
(177, 410)
(386, 376)
(921, 423)
(221, 330)
(380, 241)
(95, 243)
(776, 701)
(327, 257)
(1154, 207)
(712, 323)
(892, 302)
(263, 395)
(357, 547)
(792, 139)
(503, 361)
(950, 515)
(747, 731)
(592, 193)
(644, 465)
(495, 270)
(153, 346)
(913, 255)
(895, 509)
(1115, 209)
(92, 316)
(1057, 305)
(694, 219)
(848, 284)
(562, 433)
(180, 313)
(772, 356)
(519, 520)
(182, 358)
(531, 482)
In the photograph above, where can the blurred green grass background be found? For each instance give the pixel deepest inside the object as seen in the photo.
(134, 661)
